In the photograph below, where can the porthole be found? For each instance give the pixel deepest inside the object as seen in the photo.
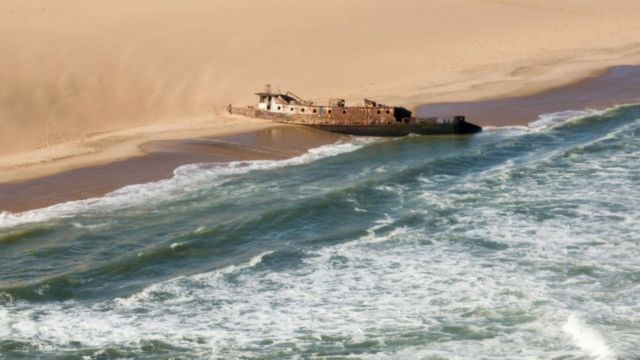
(344, 111)
(329, 111)
(378, 112)
(279, 107)
(387, 111)
(291, 109)
(302, 109)
(315, 111)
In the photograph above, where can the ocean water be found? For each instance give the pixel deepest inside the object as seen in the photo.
(519, 242)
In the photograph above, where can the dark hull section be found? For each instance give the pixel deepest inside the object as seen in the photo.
(368, 126)
(462, 127)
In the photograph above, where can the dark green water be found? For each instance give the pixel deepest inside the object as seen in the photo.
(515, 243)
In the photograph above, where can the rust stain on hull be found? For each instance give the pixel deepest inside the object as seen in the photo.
(370, 119)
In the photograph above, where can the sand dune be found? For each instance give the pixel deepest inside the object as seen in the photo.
(69, 68)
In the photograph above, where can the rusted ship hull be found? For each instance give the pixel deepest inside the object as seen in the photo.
(368, 119)
(401, 130)
(420, 126)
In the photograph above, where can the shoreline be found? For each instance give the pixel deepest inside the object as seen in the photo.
(531, 76)
(617, 85)
(158, 162)
(109, 146)
(107, 161)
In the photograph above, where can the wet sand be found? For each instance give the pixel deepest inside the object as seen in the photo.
(162, 157)
(618, 85)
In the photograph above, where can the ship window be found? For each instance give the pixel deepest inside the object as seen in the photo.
(344, 111)
(279, 107)
(387, 111)
(315, 111)
(291, 109)
(329, 111)
(378, 111)
(302, 109)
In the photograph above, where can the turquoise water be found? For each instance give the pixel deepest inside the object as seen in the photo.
(515, 243)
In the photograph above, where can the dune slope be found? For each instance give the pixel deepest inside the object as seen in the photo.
(70, 68)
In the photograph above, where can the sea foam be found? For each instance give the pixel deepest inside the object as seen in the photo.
(588, 339)
(484, 267)
(190, 177)
(558, 118)
(548, 121)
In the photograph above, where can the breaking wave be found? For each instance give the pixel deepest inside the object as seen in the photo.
(588, 339)
(498, 246)
(185, 178)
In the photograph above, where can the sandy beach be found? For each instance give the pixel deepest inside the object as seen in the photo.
(103, 147)
(88, 83)
(618, 85)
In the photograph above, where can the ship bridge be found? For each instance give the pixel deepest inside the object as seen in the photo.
(284, 102)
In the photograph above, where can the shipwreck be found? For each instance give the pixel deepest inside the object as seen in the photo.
(368, 119)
